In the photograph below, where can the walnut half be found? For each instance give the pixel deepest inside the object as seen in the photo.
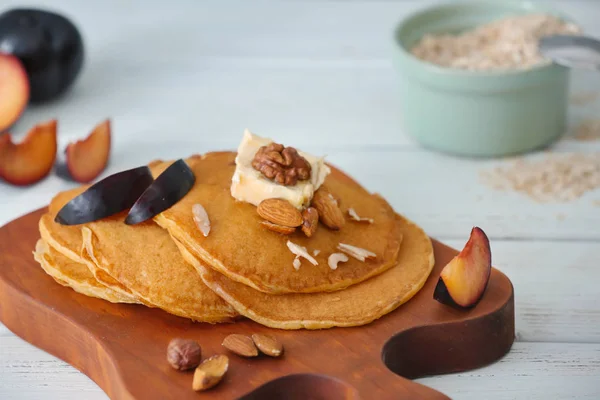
(281, 164)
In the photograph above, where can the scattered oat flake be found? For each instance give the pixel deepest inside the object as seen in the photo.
(300, 251)
(316, 252)
(588, 130)
(583, 98)
(297, 263)
(355, 216)
(201, 219)
(356, 252)
(558, 177)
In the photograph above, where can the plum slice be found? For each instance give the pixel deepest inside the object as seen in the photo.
(87, 158)
(107, 197)
(31, 160)
(464, 279)
(168, 188)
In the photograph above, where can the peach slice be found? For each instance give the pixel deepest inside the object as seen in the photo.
(87, 158)
(464, 279)
(32, 159)
(14, 90)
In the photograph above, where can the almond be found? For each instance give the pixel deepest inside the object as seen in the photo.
(356, 252)
(201, 219)
(311, 221)
(355, 217)
(284, 230)
(241, 345)
(329, 211)
(300, 251)
(210, 372)
(267, 345)
(280, 212)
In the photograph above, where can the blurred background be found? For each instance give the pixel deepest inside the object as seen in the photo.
(204, 71)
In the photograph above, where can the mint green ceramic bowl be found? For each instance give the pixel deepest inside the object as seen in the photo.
(475, 113)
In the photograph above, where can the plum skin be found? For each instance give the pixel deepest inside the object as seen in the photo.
(166, 190)
(476, 254)
(107, 197)
(50, 47)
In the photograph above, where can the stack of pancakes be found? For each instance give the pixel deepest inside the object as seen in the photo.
(240, 268)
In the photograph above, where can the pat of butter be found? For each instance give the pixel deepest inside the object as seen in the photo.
(251, 186)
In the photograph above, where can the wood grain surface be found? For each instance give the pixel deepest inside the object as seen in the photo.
(122, 347)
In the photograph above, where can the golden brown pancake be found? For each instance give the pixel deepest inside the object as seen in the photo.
(67, 241)
(357, 305)
(74, 275)
(243, 250)
(129, 271)
(145, 259)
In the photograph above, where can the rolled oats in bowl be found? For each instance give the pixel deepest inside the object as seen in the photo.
(506, 43)
(472, 81)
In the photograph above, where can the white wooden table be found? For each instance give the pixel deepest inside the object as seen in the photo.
(189, 76)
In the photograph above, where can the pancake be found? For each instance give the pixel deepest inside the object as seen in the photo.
(74, 275)
(244, 251)
(67, 241)
(357, 305)
(145, 259)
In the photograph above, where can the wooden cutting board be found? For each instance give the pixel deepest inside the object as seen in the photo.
(123, 347)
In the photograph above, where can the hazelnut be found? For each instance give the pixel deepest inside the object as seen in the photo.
(183, 354)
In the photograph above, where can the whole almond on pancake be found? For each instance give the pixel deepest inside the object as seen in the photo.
(280, 212)
(329, 210)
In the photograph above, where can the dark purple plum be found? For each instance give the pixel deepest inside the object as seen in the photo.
(107, 197)
(166, 190)
(49, 46)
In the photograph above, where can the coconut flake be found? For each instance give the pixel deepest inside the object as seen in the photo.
(355, 216)
(297, 263)
(336, 258)
(356, 252)
(316, 252)
(201, 219)
(300, 251)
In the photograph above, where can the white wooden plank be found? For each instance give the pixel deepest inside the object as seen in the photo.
(532, 370)
(29, 373)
